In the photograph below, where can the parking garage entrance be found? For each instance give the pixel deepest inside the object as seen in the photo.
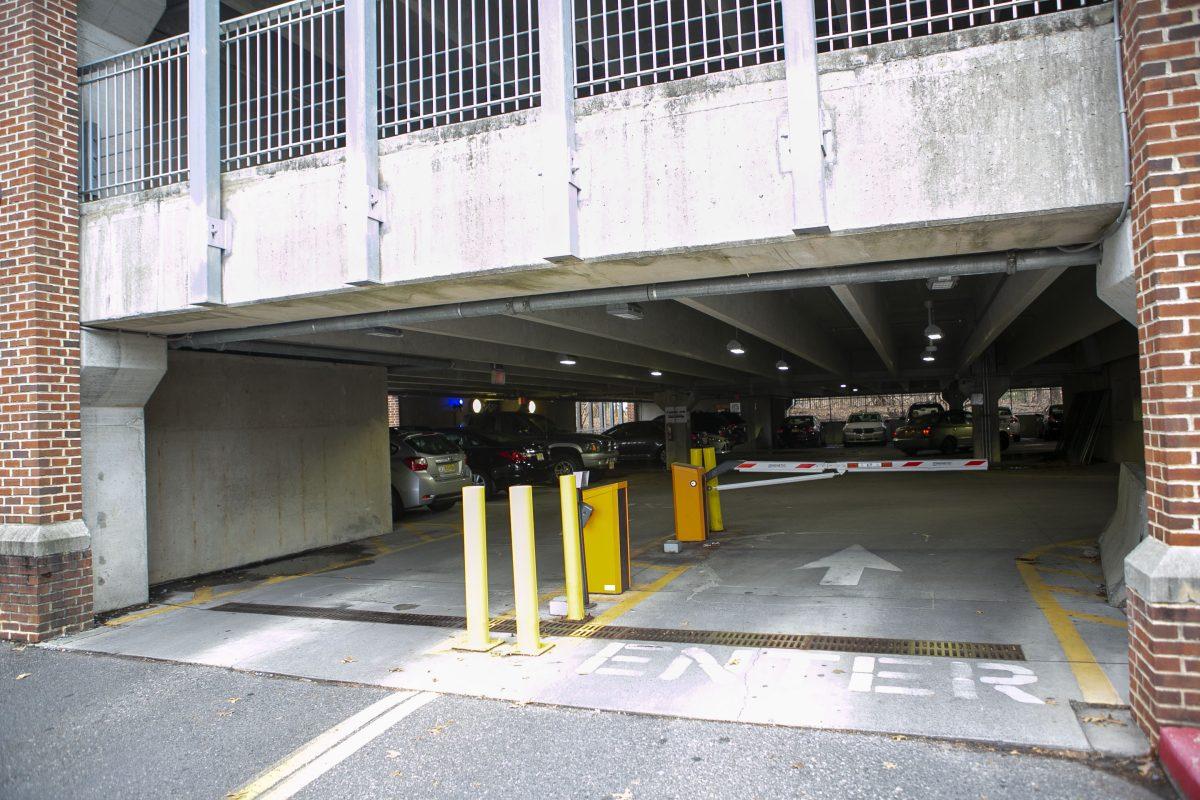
(957, 604)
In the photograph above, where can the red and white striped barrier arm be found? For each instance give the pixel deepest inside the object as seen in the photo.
(899, 465)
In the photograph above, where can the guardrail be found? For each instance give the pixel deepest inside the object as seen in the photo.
(440, 62)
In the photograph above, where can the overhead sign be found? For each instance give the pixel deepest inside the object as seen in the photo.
(498, 377)
(735, 408)
(677, 415)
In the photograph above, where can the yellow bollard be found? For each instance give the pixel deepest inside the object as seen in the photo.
(715, 520)
(525, 593)
(572, 558)
(479, 636)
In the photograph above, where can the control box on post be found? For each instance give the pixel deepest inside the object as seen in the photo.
(606, 539)
(687, 494)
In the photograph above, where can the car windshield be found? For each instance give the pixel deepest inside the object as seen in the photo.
(1056, 411)
(1005, 411)
(800, 420)
(433, 444)
(866, 418)
(924, 411)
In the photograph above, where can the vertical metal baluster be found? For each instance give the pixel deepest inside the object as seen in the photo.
(532, 67)
(500, 54)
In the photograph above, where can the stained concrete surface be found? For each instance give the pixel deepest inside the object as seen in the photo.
(955, 538)
(88, 726)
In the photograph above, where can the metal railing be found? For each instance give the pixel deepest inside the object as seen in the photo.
(283, 85)
(845, 24)
(133, 131)
(625, 43)
(448, 61)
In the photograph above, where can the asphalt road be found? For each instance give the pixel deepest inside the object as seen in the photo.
(81, 726)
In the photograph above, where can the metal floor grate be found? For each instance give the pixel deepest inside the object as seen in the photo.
(589, 630)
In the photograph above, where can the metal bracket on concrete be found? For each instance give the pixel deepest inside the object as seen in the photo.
(560, 189)
(377, 204)
(804, 118)
(364, 210)
(205, 275)
(220, 234)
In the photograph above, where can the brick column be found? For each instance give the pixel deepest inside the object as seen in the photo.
(1161, 60)
(45, 556)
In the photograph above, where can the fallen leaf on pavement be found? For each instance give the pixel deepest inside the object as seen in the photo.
(393, 753)
(396, 669)
(1107, 719)
(798, 765)
(24, 675)
(349, 660)
(234, 700)
(899, 737)
(888, 765)
(397, 774)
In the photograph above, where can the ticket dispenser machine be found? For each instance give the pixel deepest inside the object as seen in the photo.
(687, 492)
(606, 539)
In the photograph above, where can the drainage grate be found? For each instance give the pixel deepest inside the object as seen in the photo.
(588, 630)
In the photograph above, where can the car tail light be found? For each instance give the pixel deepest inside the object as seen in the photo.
(927, 431)
(512, 456)
(416, 464)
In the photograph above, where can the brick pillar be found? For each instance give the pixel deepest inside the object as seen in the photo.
(45, 556)
(1161, 59)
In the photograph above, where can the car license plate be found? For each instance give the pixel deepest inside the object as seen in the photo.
(449, 469)
(541, 457)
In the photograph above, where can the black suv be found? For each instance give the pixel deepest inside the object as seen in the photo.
(569, 452)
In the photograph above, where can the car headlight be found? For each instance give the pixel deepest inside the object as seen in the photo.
(591, 447)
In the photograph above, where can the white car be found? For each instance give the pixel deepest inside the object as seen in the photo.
(864, 428)
(1010, 424)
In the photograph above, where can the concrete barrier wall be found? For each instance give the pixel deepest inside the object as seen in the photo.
(983, 139)
(253, 458)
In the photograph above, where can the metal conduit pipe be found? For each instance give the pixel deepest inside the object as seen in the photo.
(881, 272)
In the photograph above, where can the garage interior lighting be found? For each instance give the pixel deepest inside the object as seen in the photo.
(566, 360)
(841, 386)
(942, 283)
(928, 355)
(932, 332)
(477, 405)
(654, 373)
(385, 332)
(532, 406)
(782, 365)
(631, 311)
(735, 347)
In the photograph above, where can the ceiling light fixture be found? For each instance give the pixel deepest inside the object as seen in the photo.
(385, 332)
(932, 332)
(654, 373)
(477, 405)
(735, 347)
(841, 386)
(928, 355)
(630, 311)
(532, 406)
(942, 283)
(566, 360)
(782, 365)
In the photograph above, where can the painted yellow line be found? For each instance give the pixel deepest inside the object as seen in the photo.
(1080, 615)
(633, 598)
(1094, 685)
(205, 594)
(317, 756)
(1072, 591)
(1074, 572)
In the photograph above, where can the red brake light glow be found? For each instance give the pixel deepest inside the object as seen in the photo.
(416, 464)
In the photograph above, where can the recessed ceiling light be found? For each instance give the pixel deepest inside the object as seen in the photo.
(654, 373)
(942, 282)
(566, 360)
(631, 311)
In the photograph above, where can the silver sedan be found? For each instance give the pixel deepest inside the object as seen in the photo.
(427, 470)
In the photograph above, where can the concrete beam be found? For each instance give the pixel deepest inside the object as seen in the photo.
(1037, 337)
(668, 327)
(775, 318)
(864, 303)
(520, 332)
(457, 349)
(1013, 297)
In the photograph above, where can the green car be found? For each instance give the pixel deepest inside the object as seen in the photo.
(947, 431)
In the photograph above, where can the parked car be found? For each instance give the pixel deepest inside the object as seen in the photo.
(706, 431)
(800, 431)
(864, 428)
(918, 410)
(569, 452)
(1053, 424)
(1010, 424)
(640, 441)
(947, 431)
(427, 470)
(720, 424)
(500, 461)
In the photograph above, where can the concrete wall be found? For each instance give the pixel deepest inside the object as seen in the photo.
(996, 137)
(119, 372)
(253, 458)
(1120, 438)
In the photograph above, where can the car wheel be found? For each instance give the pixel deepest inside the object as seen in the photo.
(442, 505)
(949, 445)
(662, 456)
(564, 463)
(490, 490)
(1004, 440)
(397, 505)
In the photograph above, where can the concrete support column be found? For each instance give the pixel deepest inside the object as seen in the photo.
(120, 372)
(45, 556)
(1161, 65)
(986, 391)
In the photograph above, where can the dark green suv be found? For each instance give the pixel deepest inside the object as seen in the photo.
(947, 431)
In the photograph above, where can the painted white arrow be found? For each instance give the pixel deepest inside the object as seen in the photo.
(846, 567)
